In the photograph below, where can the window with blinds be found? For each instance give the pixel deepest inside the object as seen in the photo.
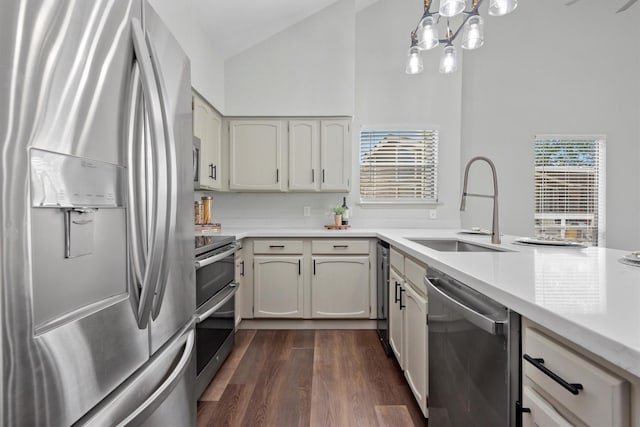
(398, 165)
(570, 188)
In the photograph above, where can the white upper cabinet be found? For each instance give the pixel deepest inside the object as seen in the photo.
(283, 154)
(304, 142)
(207, 126)
(335, 155)
(255, 155)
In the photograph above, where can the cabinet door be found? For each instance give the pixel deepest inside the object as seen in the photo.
(239, 278)
(255, 152)
(335, 155)
(214, 156)
(395, 316)
(207, 126)
(415, 344)
(340, 287)
(277, 286)
(303, 155)
(541, 412)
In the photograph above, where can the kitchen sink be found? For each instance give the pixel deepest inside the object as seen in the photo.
(452, 245)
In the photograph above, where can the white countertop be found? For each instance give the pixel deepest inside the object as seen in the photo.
(582, 294)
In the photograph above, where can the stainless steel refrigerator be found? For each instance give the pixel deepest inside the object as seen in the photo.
(96, 256)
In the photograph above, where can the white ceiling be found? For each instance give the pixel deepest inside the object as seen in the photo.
(235, 25)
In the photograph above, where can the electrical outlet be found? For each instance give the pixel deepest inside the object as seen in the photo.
(433, 214)
(307, 211)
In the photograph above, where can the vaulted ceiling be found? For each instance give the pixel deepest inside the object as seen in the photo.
(235, 25)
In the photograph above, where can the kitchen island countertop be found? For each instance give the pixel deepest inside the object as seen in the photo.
(583, 294)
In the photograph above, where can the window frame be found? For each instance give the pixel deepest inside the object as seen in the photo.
(400, 202)
(601, 141)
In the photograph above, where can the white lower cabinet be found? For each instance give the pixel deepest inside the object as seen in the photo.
(340, 287)
(562, 387)
(239, 278)
(395, 316)
(408, 323)
(540, 412)
(311, 278)
(278, 287)
(415, 342)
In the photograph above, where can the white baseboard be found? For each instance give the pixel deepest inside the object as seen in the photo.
(307, 324)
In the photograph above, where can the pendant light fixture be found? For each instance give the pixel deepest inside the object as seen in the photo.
(428, 33)
(470, 24)
(414, 59)
(473, 32)
(449, 8)
(502, 7)
(449, 57)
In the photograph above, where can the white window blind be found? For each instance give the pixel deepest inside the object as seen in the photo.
(398, 165)
(569, 188)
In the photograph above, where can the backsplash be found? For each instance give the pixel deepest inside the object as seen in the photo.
(286, 210)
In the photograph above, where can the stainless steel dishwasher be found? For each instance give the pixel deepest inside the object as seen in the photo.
(474, 355)
(382, 286)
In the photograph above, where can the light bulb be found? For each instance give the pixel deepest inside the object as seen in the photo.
(502, 7)
(427, 33)
(414, 61)
(449, 60)
(473, 34)
(449, 8)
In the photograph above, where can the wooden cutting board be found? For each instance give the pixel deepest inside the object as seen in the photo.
(337, 227)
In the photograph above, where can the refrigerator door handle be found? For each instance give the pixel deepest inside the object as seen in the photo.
(171, 177)
(157, 243)
(135, 186)
(161, 393)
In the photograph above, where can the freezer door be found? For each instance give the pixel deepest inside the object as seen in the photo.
(162, 393)
(175, 301)
(70, 334)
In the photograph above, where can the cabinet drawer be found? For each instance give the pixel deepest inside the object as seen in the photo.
(541, 412)
(340, 246)
(604, 397)
(414, 273)
(277, 247)
(397, 261)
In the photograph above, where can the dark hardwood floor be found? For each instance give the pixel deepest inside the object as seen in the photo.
(285, 378)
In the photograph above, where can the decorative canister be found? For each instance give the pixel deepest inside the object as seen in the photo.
(207, 210)
(197, 213)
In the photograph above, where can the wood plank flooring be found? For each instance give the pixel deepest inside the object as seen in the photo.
(320, 378)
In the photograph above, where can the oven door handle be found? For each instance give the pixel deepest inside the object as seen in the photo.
(232, 288)
(215, 258)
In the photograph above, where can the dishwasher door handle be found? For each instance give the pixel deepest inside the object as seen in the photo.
(487, 324)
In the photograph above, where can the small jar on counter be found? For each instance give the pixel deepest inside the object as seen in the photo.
(207, 210)
(197, 213)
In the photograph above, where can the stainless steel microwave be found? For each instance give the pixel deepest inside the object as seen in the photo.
(196, 163)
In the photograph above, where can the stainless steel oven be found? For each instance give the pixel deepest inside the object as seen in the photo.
(215, 301)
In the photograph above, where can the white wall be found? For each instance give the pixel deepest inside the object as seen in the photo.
(552, 69)
(307, 69)
(384, 95)
(207, 67)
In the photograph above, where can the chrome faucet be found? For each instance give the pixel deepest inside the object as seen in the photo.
(495, 230)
